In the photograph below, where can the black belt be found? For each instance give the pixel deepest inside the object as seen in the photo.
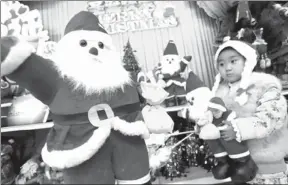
(82, 118)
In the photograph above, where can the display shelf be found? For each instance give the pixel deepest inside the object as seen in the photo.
(37, 126)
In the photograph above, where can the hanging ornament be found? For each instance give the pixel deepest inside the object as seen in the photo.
(261, 46)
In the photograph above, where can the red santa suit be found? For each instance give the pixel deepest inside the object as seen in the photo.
(237, 151)
(171, 67)
(97, 137)
(175, 84)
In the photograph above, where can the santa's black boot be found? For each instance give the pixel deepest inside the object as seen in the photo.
(221, 170)
(245, 170)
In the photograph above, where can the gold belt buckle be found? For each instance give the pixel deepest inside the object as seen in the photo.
(94, 117)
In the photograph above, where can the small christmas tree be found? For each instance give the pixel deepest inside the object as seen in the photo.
(129, 59)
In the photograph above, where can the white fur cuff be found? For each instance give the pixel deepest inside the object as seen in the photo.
(62, 159)
(16, 56)
(137, 128)
(235, 128)
(154, 162)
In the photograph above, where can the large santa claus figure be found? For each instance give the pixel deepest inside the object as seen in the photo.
(98, 129)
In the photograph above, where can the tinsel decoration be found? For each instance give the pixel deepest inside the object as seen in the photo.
(35, 171)
(7, 166)
(172, 168)
(193, 152)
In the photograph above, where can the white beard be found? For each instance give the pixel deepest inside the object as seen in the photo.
(91, 75)
(170, 68)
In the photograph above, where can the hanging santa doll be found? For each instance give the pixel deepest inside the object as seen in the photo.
(98, 129)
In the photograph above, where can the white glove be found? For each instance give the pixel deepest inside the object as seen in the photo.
(160, 158)
(182, 113)
(161, 83)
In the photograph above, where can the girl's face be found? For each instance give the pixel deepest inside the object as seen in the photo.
(230, 65)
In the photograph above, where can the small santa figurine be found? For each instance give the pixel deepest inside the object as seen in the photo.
(169, 75)
(228, 152)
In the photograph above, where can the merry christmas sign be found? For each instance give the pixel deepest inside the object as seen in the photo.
(124, 16)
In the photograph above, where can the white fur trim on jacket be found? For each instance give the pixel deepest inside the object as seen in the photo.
(141, 180)
(70, 158)
(137, 128)
(170, 82)
(236, 130)
(16, 56)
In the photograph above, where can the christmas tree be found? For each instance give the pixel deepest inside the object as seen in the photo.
(129, 59)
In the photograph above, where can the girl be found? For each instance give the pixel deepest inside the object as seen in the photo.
(261, 110)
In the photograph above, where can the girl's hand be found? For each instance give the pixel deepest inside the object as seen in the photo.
(228, 132)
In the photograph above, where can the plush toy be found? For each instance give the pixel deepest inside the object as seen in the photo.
(188, 96)
(98, 133)
(171, 67)
(237, 151)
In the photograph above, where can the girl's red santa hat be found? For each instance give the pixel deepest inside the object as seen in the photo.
(250, 54)
(217, 103)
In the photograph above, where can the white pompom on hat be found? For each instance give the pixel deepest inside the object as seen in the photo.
(250, 55)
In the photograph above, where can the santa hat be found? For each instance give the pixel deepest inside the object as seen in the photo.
(250, 55)
(217, 103)
(171, 48)
(184, 63)
(84, 21)
(193, 83)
